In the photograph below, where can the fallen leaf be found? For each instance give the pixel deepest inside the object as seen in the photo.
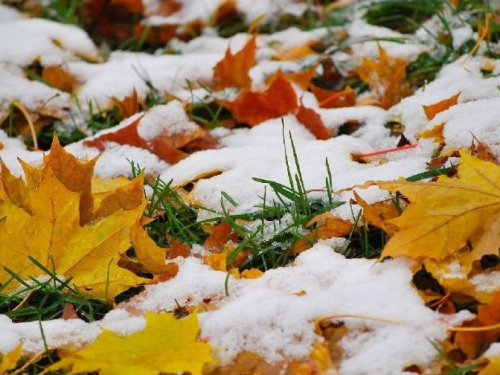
(432, 110)
(294, 53)
(113, 19)
(473, 343)
(45, 224)
(156, 35)
(75, 176)
(8, 361)
(69, 312)
(334, 99)
(232, 70)
(378, 213)
(178, 249)
(436, 133)
(165, 345)
(253, 108)
(149, 254)
(165, 144)
(127, 106)
(313, 122)
(225, 10)
(216, 261)
(327, 226)
(482, 151)
(493, 366)
(219, 236)
(252, 273)
(386, 78)
(319, 362)
(301, 78)
(59, 78)
(446, 215)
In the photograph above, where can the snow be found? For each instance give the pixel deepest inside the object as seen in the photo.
(26, 40)
(165, 120)
(33, 95)
(169, 75)
(274, 315)
(259, 152)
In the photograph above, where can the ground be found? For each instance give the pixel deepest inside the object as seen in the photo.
(250, 187)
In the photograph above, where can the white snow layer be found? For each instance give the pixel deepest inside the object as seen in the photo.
(274, 315)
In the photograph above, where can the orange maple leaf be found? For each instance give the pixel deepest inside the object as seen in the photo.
(301, 78)
(327, 226)
(313, 122)
(386, 78)
(334, 99)
(232, 70)
(473, 343)
(59, 78)
(165, 146)
(127, 106)
(253, 108)
(432, 110)
(221, 234)
(294, 53)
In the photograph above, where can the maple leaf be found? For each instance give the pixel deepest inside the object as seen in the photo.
(386, 78)
(334, 99)
(8, 361)
(277, 100)
(327, 226)
(232, 70)
(127, 106)
(378, 213)
(473, 342)
(301, 78)
(432, 110)
(313, 122)
(446, 215)
(219, 236)
(493, 366)
(294, 53)
(43, 220)
(165, 145)
(436, 132)
(150, 255)
(165, 345)
(59, 78)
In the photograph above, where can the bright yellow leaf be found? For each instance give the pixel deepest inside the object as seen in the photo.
(448, 214)
(8, 361)
(493, 367)
(149, 254)
(165, 345)
(386, 78)
(44, 222)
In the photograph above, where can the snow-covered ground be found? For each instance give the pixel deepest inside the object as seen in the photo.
(273, 316)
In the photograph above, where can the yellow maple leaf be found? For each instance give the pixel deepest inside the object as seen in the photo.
(233, 69)
(493, 367)
(51, 219)
(166, 345)
(448, 214)
(386, 78)
(8, 361)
